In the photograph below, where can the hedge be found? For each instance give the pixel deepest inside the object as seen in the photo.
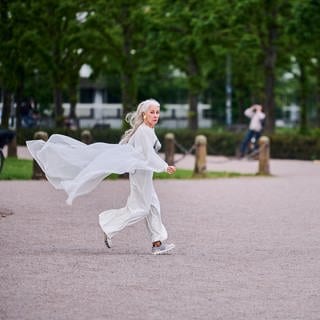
(283, 146)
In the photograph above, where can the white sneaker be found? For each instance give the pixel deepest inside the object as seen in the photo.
(162, 249)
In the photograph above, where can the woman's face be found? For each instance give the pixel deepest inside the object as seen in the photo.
(152, 116)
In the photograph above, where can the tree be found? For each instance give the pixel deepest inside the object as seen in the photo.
(16, 56)
(13, 57)
(120, 27)
(304, 31)
(5, 38)
(58, 40)
(189, 37)
(260, 21)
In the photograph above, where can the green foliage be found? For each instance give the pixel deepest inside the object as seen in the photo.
(303, 32)
(99, 135)
(120, 28)
(218, 143)
(191, 35)
(169, 50)
(295, 146)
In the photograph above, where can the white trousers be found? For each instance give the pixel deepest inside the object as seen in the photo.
(142, 203)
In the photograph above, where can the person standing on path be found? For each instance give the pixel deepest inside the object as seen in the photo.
(78, 168)
(255, 127)
(143, 201)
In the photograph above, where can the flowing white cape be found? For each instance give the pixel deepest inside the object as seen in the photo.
(78, 168)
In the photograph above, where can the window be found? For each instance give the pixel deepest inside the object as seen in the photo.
(87, 95)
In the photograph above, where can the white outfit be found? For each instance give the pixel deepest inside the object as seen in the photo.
(256, 117)
(143, 201)
(78, 168)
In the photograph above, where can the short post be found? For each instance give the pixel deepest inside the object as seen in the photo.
(86, 137)
(264, 156)
(201, 156)
(169, 148)
(38, 174)
(12, 148)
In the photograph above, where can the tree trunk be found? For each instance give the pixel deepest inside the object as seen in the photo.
(19, 96)
(194, 89)
(4, 37)
(58, 110)
(269, 104)
(6, 108)
(58, 78)
(270, 52)
(303, 98)
(128, 92)
(193, 111)
(128, 76)
(73, 101)
(318, 98)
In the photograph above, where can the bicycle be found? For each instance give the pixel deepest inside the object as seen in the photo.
(252, 150)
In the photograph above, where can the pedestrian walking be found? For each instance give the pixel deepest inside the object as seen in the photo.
(257, 117)
(78, 168)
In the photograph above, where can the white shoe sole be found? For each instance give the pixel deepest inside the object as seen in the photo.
(169, 248)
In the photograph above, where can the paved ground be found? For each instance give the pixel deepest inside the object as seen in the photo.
(247, 248)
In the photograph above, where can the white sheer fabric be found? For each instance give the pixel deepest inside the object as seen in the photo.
(78, 168)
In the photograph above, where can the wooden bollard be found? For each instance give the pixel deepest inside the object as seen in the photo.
(12, 148)
(86, 137)
(201, 156)
(38, 174)
(169, 148)
(264, 156)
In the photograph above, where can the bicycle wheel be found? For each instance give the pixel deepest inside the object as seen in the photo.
(1, 160)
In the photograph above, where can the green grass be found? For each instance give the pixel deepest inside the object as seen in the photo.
(16, 169)
(188, 174)
(20, 169)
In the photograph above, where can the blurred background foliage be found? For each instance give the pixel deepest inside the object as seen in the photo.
(176, 51)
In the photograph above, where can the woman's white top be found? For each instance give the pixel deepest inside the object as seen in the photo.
(78, 168)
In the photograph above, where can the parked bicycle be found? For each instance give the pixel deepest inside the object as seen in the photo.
(6, 137)
(252, 150)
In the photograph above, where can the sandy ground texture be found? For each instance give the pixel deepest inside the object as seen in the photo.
(246, 248)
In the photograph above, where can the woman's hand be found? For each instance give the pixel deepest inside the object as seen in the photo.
(171, 169)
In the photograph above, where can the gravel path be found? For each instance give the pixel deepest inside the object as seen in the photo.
(246, 248)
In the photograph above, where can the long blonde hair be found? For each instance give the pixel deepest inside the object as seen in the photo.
(135, 119)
